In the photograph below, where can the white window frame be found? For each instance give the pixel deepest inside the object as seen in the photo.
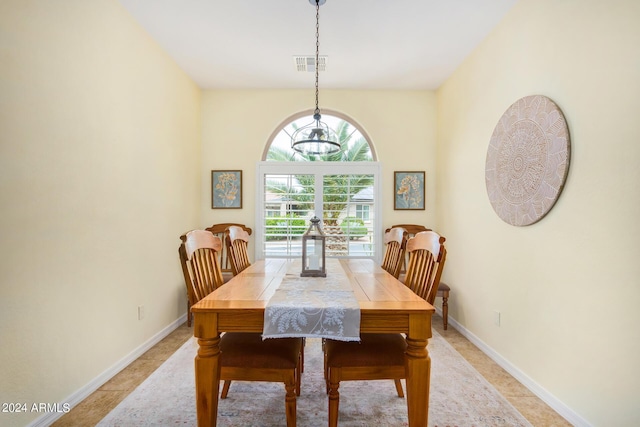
(319, 169)
(360, 209)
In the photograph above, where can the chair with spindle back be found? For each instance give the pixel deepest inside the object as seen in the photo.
(200, 263)
(427, 255)
(382, 356)
(225, 262)
(199, 258)
(244, 356)
(396, 241)
(237, 241)
(443, 289)
(412, 230)
(208, 253)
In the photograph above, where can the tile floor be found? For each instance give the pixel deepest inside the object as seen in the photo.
(91, 410)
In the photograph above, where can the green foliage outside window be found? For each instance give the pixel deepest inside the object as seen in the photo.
(354, 227)
(277, 228)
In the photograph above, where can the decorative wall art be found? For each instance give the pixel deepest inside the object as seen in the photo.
(226, 189)
(408, 191)
(527, 160)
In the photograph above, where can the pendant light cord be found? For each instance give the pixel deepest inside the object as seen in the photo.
(317, 111)
(316, 138)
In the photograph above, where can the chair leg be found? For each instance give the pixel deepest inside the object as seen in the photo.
(326, 370)
(445, 310)
(290, 402)
(298, 373)
(334, 399)
(188, 314)
(225, 389)
(399, 388)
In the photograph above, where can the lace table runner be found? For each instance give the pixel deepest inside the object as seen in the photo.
(320, 307)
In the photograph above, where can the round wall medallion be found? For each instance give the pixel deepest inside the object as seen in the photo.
(527, 160)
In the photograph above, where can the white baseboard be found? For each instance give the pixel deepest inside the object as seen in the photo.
(548, 398)
(84, 392)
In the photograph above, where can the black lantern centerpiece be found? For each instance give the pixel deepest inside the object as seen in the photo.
(313, 251)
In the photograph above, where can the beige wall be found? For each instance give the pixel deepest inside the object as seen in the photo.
(99, 175)
(238, 123)
(567, 286)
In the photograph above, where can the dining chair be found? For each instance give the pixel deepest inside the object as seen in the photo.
(225, 261)
(244, 356)
(237, 241)
(412, 230)
(200, 261)
(396, 240)
(443, 288)
(427, 256)
(382, 356)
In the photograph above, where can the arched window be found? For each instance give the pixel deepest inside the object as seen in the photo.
(341, 188)
(356, 146)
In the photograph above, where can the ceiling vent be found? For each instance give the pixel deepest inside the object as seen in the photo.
(308, 63)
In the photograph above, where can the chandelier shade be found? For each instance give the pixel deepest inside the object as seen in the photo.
(316, 138)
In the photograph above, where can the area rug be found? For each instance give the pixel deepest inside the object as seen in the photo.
(459, 397)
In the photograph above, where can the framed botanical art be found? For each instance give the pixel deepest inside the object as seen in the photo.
(226, 189)
(408, 190)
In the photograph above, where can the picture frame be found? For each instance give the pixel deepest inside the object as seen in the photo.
(226, 189)
(409, 190)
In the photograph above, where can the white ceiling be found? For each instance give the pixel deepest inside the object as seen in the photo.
(371, 44)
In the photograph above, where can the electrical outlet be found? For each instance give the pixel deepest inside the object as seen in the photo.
(496, 318)
(140, 312)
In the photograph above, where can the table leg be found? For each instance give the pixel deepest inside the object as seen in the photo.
(418, 380)
(207, 380)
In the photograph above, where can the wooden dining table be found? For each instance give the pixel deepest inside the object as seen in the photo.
(386, 305)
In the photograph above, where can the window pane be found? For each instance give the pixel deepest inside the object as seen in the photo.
(289, 204)
(348, 234)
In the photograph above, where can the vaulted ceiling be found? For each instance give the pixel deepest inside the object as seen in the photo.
(370, 44)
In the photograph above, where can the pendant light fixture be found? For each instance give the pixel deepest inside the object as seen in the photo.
(317, 137)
